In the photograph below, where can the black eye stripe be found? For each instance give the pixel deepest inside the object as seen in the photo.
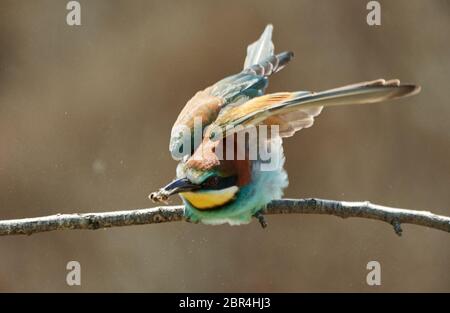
(218, 182)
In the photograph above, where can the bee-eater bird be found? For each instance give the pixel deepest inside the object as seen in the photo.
(217, 190)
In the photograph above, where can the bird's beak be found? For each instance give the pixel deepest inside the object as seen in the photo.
(180, 185)
(176, 186)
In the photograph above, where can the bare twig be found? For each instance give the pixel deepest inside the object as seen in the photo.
(393, 216)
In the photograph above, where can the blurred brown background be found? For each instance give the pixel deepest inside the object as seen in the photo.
(85, 116)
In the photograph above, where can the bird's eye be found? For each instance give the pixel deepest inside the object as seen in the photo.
(211, 182)
(219, 182)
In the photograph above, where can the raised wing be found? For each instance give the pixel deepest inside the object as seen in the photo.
(251, 82)
(205, 106)
(293, 111)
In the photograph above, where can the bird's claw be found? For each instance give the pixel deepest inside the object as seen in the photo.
(261, 219)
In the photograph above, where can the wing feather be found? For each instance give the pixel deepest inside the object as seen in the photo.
(293, 111)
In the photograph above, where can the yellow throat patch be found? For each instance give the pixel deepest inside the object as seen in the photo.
(209, 199)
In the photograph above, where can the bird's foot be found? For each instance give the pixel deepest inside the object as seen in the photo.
(261, 219)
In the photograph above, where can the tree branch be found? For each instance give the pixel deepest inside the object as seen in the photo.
(393, 216)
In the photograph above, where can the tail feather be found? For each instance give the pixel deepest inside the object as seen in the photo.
(270, 65)
(260, 49)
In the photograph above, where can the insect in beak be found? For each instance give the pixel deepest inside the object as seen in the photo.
(176, 186)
